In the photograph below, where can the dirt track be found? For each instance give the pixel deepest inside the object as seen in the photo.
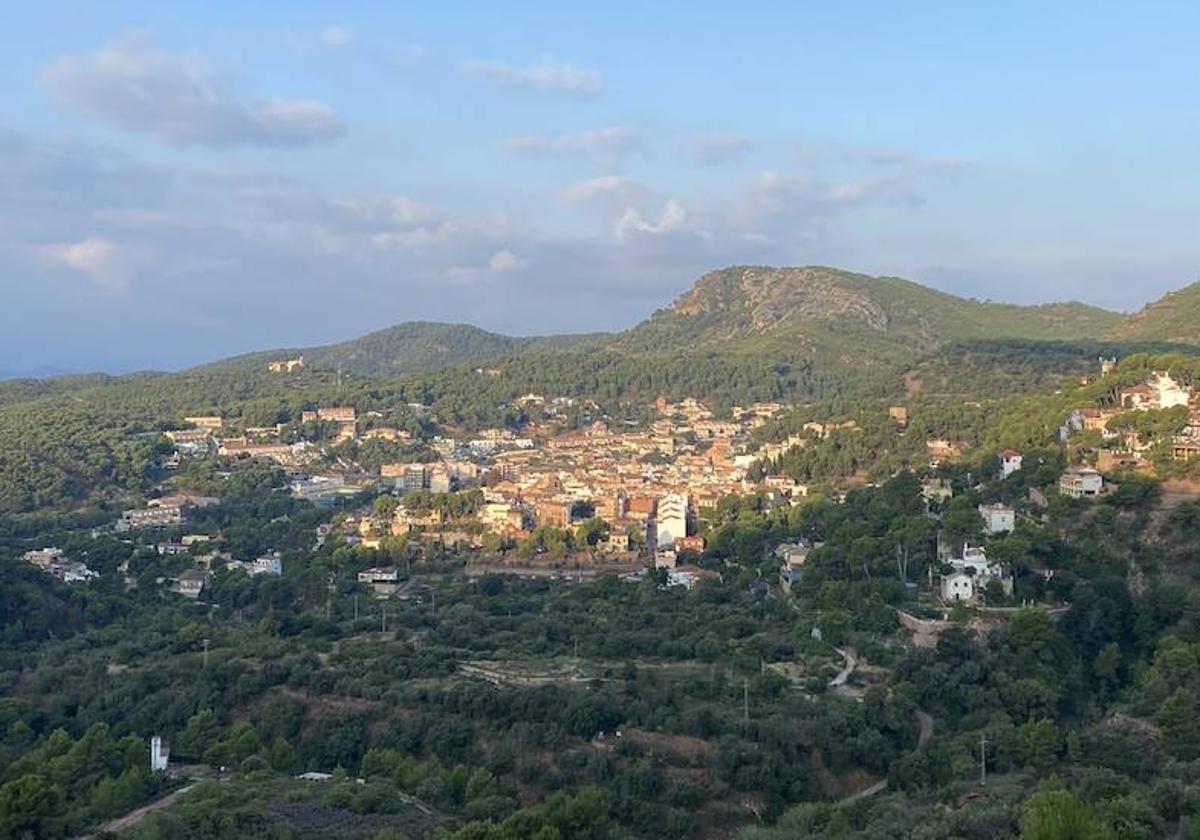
(134, 817)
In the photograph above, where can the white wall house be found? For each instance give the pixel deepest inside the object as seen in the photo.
(998, 519)
(970, 575)
(1010, 462)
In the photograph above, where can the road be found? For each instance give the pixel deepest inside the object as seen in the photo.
(851, 663)
(136, 816)
(878, 787)
(925, 720)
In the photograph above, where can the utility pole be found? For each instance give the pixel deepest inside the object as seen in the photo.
(206, 654)
(982, 760)
(329, 595)
(383, 619)
(356, 609)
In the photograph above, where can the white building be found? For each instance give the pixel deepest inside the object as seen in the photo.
(160, 756)
(383, 581)
(268, 564)
(1159, 391)
(154, 516)
(971, 573)
(958, 587)
(1080, 482)
(998, 519)
(671, 519)
(1010, 462)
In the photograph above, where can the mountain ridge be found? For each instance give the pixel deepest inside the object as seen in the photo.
(829, 316)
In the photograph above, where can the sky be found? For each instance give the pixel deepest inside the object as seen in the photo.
(180, 182)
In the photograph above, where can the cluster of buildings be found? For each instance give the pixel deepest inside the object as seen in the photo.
(646, 484)
(1127, 447)
(191, 582)
(165, 512)
(55, 563)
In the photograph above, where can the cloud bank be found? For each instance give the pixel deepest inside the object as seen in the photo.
(135, 86)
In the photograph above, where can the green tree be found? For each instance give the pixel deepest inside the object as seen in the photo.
(30, 807)
(1061, 815)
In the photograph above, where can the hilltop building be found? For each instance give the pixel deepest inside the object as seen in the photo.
(286, 365)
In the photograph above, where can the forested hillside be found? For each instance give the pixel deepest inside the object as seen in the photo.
(415, 347)
(1175, 317)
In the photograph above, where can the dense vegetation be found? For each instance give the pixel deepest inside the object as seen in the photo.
(474, 708)
(720, 694)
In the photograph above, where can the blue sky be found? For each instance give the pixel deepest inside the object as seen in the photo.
(180, 182)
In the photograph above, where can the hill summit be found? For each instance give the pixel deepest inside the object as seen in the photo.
(1174, 317)
(757, 300)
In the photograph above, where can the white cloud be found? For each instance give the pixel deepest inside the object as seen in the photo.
(602, 144)
(547, 74)
(674, 219)
(194, 240)
(336, 36)
(505, 260)
(135, 86)
(101, 259)
(501, 262)
(606, 188)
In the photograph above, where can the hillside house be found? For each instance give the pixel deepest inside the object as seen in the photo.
(382, 581)
(1010, 462)
(970, 575)
(1160, 391)
(997, 519)
(191, 583)
(689, 576)
(1081, 482)
(156, 516)
(55, 563)
(792, 557)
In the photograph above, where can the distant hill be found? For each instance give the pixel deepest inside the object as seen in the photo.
(412, 347)
(811, 331)
(1174, 317)
(748, 301)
